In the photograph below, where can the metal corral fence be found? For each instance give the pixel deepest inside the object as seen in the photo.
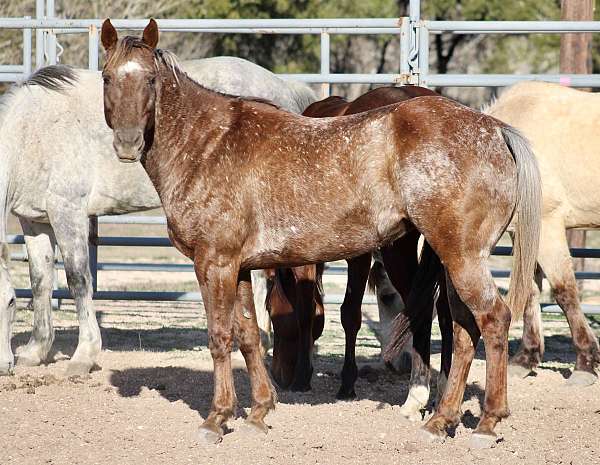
(414, 37)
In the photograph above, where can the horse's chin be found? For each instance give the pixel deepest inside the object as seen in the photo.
(128, 156)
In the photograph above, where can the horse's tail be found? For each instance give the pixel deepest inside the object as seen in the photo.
(420, 304)
(528, 224)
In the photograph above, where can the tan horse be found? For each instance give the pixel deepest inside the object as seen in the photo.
(223, 167)
(562, 125)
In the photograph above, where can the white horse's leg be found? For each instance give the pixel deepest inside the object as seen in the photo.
(259, 289)
(40, 242)
(72, 229)
(7, 313)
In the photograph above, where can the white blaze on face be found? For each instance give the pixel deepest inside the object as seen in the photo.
(129, 67)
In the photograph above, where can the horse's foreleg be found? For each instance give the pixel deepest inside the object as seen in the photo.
(555, 260)
(418, 393)
(304, 310)
(218, 281)
(351, 316)
(71, 229)
(248, 338)
(40, 242)
(259, 290)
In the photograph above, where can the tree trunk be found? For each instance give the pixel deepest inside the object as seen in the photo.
(575, 58)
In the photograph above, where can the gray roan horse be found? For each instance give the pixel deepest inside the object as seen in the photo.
(220, 163)
(57, 167)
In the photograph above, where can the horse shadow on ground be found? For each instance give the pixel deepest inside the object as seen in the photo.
(194, 387)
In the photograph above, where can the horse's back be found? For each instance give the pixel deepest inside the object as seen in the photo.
(237, 76)
(386, 96)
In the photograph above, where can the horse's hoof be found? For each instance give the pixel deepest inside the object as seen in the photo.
(581, 378)
(518, 371)
(411, 412)
(210, 435)
(483, 441)
(344, 394)
(430, 437)
(28, 361)
(75, 368)
(254, 427)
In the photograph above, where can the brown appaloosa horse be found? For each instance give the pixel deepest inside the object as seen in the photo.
(223, 167)
(294, 301)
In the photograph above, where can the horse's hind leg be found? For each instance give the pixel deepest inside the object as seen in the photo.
(465, 338)
(72, 229)
(555, 260)
(248, 338)
(445, 322)
(475, 287)
(531, 350)
(351, 316)
(40, 242)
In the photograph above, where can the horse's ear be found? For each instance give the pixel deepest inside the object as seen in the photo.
(4, 254)
(150, 36)
(109, 35)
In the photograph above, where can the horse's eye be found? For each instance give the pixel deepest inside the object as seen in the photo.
(106, 80)
(152, 81)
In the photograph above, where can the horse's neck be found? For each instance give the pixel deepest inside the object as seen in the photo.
(185, 112)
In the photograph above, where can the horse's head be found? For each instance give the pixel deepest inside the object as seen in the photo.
(7, 312)
(130, 89)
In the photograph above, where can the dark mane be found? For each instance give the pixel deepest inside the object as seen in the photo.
(54, 77)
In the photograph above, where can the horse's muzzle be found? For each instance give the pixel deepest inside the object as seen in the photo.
(128, 144)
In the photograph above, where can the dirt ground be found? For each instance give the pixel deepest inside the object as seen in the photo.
(155, 386)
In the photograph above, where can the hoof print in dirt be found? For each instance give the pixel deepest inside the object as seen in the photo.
(483, 441)
(209, 436)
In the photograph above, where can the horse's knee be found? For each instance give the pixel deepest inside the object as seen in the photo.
(220, 344)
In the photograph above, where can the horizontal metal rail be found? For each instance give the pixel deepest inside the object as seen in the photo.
(225, 25)
(500, 80)
(511, 27)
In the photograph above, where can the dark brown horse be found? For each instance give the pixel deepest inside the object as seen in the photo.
(223, 167)
(295, 304)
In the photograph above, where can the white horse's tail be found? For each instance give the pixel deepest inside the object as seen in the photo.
(528, 224)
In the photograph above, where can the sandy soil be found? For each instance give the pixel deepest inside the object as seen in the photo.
(155, 386)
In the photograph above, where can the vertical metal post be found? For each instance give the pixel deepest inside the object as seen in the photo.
(325, 53)
(93, 245)
(423, 54)
(39, 35)
(93, 48)
(50, 36)
(405, 41)
(414, 10)
(26, 51)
